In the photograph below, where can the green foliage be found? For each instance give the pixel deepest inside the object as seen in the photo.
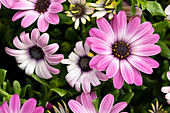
(16, 87)
(2, 76)
(61, 92)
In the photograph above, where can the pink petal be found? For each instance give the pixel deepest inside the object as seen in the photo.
(4, 107)
(165, 89)
(131, 28)
(18, 44)
(118, 80)
(146, 50)
(23, 5)
(60, 1)
(139, 64)
(104, 25)
(35, 34)
(42, 23)
(14, 52)
(87, 103)
(93, 95)
(86, 85)
(101, 76)
(127, 71)
(122, 22)
(76, 107)
(118, 107)
(105, 62)
(167, 96)
(38, 110)
(146, 40)
(142, 30)
(52, 18)
(55, 7)
(14, 103)
(7, 3)
(114, 25)
(54, 59)
(153, 63)
(51, 69)
(43, 40)
(168, 75)
(137, 77)
(94, 32)
(50, 49)
(21, 14)
(94, 61)
(94, 80)
(77, 86)
(79, 49)
(29, 19)
(73, 74)
(106, 104)
(28, 106)
(101, 48)
(112, 68)
(26, 40)
(86, 48)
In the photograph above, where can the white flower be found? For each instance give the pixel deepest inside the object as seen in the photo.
(167, 12)
(79, 9)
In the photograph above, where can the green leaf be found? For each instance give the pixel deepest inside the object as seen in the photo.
(16, 87)
(127, 97)
(96, 104)
(23, 90)
(59, 91)
(116, 94)
(2, 76)
(155, 8)
(142, 3)
(70, 34)
(160, 26)
(40, 80)
(3, 93)
(133, 9)
(165, 52)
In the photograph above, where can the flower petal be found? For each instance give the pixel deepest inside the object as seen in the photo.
(51, 69)
(14, 52)
(42, 23)
(106, 104)
(23, 5)
(118, 107)
(4, 107)
(86, 84)
(54, 59)
(118, 80)
(165, 89)
(50, 49)
(93, 79)
(137, 77)
(55, 7)
(101, 48)
(94, 61)
(101, 76)
(28, 106)
(43, 40)
(14, 103)
(21, 14)
(73, 57)
(7, 3)
(18, 44)
(39, 109)
(79, 49)
(35, 34)
(153, 63)
(76, 107)
(30, 67)
(52, 18)
(127, 71)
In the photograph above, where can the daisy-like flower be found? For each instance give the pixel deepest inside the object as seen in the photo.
(104, 7)
(34, 54)
(166, 89)
(167, 12)
(61, 109)
(79, 72)
(14, 106)
(79, 10)
(85, 105)
(43, 10)
(123, 49)
(7, 3)
(157, 108)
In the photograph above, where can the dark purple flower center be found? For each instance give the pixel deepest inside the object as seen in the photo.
(42, 5)
(84, 63)
(77, 10)
(121, 50)
(36, 53)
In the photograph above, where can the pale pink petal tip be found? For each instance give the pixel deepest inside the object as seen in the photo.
(168, 75)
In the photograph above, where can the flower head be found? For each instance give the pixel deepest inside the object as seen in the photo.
(104, 7)
(7, 3)
(79, 9)
(14, 106)
(166, 89)
(85, 105)
(34, 54)
(123, 49)
(43, 10)
(157, 108)
(167, 12)
(79, 72)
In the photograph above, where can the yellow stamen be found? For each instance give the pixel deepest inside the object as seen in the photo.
(90, 54)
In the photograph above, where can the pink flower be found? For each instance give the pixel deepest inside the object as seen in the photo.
(166, 89)
(85, 105)
(34, 54)
(79, 72)
(14, 106)
(43, 10)
(123, 49)
(7, 3)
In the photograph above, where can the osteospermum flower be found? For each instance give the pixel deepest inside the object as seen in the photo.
(104, 7)
(123, 49)
(167, 12)
(34, 54)
(166, 89)
(85, 105)
(79, 72)
(79, 10)
(14, 106)
(7, 3)
(43, 10)
(157, 108)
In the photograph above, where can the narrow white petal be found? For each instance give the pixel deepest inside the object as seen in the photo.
(76, 25)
